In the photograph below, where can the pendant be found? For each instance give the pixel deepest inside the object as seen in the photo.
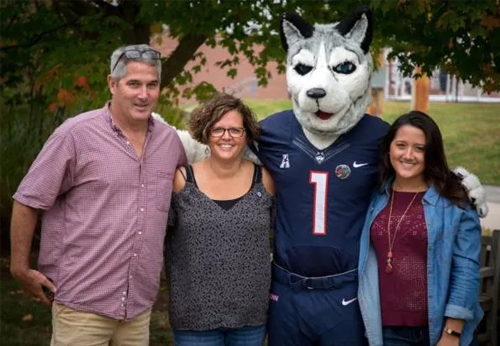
(388, 267)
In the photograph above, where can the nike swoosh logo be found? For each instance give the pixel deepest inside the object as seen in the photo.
(347, 302)
(357, 165)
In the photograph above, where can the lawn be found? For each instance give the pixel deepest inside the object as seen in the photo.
(471, 132)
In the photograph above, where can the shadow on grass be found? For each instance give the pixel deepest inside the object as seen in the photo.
(25, 322)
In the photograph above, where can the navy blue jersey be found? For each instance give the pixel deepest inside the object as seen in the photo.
(322, 195)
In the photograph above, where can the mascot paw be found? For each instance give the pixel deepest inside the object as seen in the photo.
(195, 151)
(250, 156)
(158, 117)
(476, 191)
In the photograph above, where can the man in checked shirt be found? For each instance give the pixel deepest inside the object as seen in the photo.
(104, 180)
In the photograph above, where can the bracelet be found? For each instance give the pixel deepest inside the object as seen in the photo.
(452, 332)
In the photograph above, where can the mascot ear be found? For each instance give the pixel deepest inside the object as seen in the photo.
(358, 26)
(292, 29)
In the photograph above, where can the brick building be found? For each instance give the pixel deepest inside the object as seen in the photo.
(245, 82)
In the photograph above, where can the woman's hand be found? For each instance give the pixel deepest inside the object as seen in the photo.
(448, 340)
(454, 324)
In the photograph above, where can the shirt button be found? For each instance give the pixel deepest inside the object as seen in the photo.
(123, 305)
(259, 194)
(123, 298)
(124, 293)
(140, 232)
(135, 255)
(130, 277)
(142, 209)
(128, 143)
(142, 185)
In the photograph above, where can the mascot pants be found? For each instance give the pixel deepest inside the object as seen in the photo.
(319, 311)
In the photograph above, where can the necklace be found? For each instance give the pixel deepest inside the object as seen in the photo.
(388, 268)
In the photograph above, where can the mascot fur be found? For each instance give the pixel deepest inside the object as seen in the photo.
(323, 156)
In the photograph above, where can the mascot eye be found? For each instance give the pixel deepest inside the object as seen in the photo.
(303, 69)
(345, 68)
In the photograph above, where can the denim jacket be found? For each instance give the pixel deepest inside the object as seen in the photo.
(454, 244)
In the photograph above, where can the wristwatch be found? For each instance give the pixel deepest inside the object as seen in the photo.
(452, 332)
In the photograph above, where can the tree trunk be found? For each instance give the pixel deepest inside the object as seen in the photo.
(420, 93)
(184, 51)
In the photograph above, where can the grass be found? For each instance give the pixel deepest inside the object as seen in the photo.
(471, 132)
(23, 321)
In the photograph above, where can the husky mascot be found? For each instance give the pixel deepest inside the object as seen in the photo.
(323, 156)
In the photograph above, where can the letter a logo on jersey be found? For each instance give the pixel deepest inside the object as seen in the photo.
(285, 162)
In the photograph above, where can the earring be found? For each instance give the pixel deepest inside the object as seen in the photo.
(207, 151)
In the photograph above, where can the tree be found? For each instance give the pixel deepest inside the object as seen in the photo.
(464, 37)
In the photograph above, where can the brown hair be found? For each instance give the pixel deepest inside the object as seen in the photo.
(207, 114)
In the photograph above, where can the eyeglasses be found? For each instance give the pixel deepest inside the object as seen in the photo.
(137, 54)
(233, 131)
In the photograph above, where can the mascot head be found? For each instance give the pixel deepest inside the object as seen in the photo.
(328, 71)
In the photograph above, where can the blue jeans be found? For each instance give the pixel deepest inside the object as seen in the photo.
(406, 336)
(409, 336)
(245, 336)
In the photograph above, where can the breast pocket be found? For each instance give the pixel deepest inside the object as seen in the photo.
(163, 190)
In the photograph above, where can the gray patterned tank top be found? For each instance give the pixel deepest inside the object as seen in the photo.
(218, 261)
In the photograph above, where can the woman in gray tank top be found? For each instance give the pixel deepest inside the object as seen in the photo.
(218, 252)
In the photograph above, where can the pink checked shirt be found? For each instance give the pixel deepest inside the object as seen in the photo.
(106, 212)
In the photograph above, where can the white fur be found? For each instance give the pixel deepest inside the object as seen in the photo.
(356, 83)
(158, 117)
(358, 32)
(476, 191)
(347, 94)
(195, 151)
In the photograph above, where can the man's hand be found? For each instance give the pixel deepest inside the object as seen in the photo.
(475, 190)
(21, 235)
(33, 282)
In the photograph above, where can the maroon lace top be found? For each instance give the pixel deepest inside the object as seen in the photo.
(403, 291)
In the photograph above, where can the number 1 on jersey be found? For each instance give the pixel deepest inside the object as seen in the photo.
(320, 182)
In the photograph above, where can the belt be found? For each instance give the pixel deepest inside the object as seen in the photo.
(319, 282)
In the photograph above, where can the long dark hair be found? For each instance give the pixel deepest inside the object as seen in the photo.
(436, 170)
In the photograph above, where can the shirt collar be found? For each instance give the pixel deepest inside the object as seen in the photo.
(431, 195)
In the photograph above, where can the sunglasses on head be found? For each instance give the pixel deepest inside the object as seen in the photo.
(137, 54)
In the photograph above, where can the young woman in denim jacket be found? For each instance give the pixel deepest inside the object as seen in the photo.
(419, 250)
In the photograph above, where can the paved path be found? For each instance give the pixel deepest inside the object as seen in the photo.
(492, 221)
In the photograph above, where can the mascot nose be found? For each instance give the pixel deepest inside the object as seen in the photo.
(316, 93)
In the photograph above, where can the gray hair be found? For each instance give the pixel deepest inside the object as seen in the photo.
(121, 61)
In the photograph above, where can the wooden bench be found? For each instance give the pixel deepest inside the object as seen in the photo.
(489, 292)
